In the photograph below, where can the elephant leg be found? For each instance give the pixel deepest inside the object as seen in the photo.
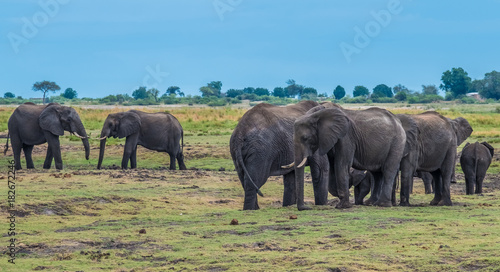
(332, 182)
(133, 159)
(180, 160)
(469, 182)
(28, 149)
(363, 189)
(342, 177)
(447, 172)
(406, 183)
(377, 187)
(480, 174)
(319, 173)
(16, 149)
(172, 161)
(48, 159)
(436, 176)
(129, 148)
(54, 146)
(289, 194)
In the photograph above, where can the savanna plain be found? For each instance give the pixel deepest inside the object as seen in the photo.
(155, 219)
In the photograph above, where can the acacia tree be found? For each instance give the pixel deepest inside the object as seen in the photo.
(154, 93)
(45, 86)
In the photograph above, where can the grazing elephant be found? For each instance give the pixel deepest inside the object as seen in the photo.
(371, 139)
(434, 151)
(32, 125)
(362, 182)
(156, 131)
(262, 142)
(475, 160)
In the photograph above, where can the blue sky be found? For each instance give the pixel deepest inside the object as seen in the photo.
(115, 46)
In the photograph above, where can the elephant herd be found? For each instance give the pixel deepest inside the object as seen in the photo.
(336, 143)
(274, 141)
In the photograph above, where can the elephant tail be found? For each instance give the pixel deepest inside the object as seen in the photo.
(245, 172)
(7, 144)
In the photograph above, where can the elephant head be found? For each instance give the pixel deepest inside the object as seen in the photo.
(462, 129)
(318, 131)
(118, 125)
(56, 119)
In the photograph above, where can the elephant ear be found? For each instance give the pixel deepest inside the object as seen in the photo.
(332, 126)
(49, 120)
(130, 123)
(490, 148)
(462, 129)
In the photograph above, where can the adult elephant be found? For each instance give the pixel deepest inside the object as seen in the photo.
(156, 131)
(31, 125)
(262, 142)
(475, 161)
(435, 152)
(371, 139)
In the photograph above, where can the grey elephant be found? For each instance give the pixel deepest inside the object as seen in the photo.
(262, 142)
(427, 179)
(371, 139)
(156, 131)
(362, 182)
(475, 161)
(31, 125)
(434, 151)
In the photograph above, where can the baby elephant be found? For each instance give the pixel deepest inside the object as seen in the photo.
(475, 160)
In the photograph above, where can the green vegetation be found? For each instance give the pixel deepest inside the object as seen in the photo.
(153, 219)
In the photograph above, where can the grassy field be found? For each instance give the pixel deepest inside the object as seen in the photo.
(154, 219)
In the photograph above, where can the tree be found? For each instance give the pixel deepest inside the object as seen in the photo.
(293, 89)
(213, 89)
(429, 89)
(360, 91)
(140, 93)
(172, 90)
(382, 90)
(339, 92)
(279, 92)
(261, 91)
(69, 93)
(233, 93)
(217, 85)
(45, 86)
(249, 90)
(154, 93)
(400, 88)
(401, 96)
(456, 81)
(491, 85)
(9, 95)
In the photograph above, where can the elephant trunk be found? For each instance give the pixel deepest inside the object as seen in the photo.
(102, 148)
(300, 161)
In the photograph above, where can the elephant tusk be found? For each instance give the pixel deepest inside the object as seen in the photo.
(102, 138)
(302, 163)
(77, 135)
(288, 165)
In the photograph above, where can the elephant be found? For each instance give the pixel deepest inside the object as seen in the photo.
(262, 142)
(475, 161)
(362, 182)
(31, 125)
(434, 151)
(371, 139)
(427, 179)
(156, 131)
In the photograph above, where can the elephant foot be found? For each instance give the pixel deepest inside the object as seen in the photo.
(303, 207)
(435, 202)
(369, 202)
(383, 203)
(344, 205)
(404, 204)
(445, 203)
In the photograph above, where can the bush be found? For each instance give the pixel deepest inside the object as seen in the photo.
(217, 102)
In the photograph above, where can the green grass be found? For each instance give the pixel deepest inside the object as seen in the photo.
(83, 219)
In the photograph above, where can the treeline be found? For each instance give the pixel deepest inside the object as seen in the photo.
(455, 83)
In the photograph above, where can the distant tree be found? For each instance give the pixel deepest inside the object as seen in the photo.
(140, 93)
(213, 89)
(9, 95)
(339, 92)
(45, 86)
(382, 90)
(233, 93)
(429, 89)
(69, 93)
(310, 90)
(172, 90)
(279, 92)
(360, 91)
(401, 96)
(217, 85)
(490, 85)
(154, 93)
(249, 90)
(261, 91)
(456, 81)
(400, 88)
(293, 89)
